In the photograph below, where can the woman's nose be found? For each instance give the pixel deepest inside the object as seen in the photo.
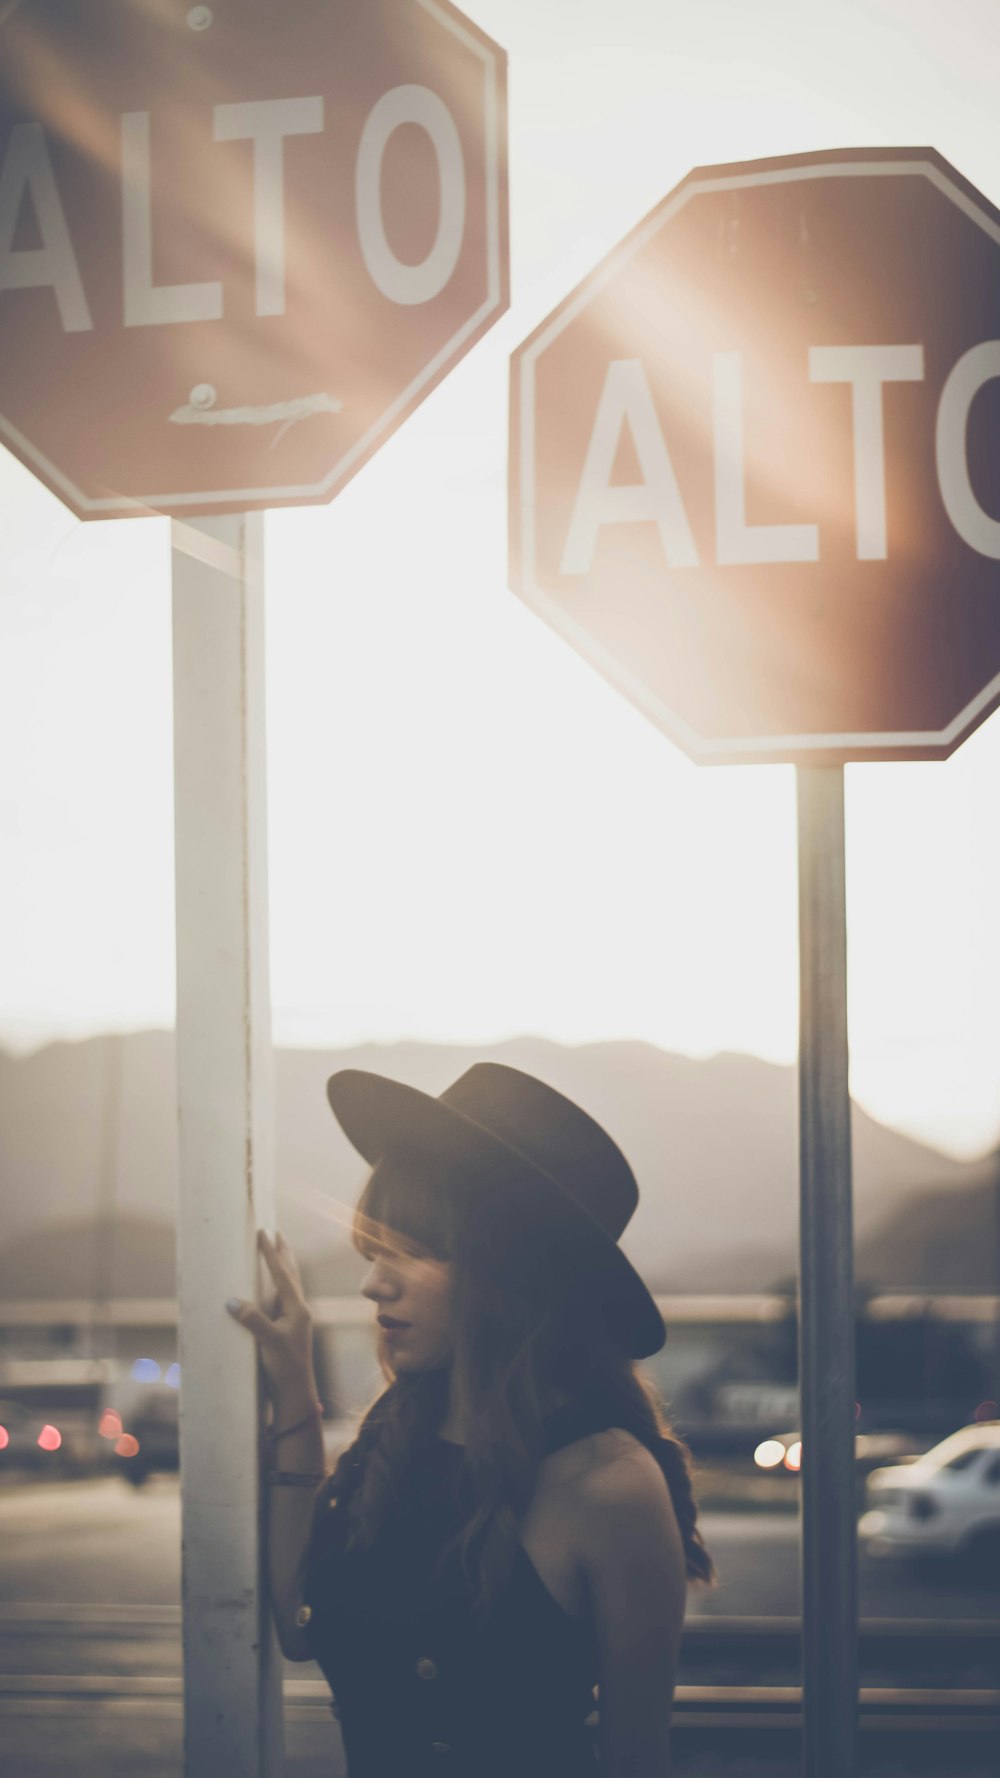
(376, 1283)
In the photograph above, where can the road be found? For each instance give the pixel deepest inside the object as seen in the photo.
(101, 1542)
(90, 1654)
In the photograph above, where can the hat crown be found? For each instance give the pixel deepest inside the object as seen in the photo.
(554, 1134)
(530, 1163)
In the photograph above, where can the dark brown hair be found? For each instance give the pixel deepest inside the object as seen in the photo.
(508, 1355)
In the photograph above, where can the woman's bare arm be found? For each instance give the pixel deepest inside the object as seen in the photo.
(636, 1578)
(289, 1516)
(284, 1338)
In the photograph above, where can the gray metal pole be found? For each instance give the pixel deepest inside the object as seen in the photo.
(232, 1665)
(828, 1524)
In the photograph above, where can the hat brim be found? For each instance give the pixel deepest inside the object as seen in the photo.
(382, 1117)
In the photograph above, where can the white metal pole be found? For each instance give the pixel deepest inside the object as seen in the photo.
(232, 1665)
(826, 1291)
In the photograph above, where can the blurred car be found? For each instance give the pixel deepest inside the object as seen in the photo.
(50, 1411)
(61, 1440)
(782, 1452)
(946, 1503)
(148, 1437)
(20, 1429)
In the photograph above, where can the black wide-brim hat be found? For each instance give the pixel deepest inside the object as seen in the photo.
(553, 1191)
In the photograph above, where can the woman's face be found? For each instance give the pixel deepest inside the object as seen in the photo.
(413, 1289)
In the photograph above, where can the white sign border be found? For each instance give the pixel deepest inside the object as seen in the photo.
(729, 749)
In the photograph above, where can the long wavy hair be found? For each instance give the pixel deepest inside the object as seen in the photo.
(507, 1357)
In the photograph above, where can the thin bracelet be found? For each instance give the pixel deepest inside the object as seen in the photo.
(315, 1413)
(298, 1478)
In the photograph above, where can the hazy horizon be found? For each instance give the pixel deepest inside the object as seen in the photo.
(91, 1129)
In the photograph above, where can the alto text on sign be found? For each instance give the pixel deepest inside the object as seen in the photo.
(755, 460)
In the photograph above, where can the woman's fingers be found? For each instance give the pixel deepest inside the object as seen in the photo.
(280, 1271)
(284, 1270)
(250, 1317)
(290, 1260)
(282, 1323)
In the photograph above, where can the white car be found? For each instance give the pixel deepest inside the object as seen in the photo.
(944, 1503)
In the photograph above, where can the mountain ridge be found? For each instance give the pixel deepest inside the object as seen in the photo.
(713, 1143)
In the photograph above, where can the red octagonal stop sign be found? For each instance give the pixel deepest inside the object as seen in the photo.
(238, 242)
(755, 471)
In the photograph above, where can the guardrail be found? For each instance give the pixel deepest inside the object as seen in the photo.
(725, 1654)
(695, 1706)
(927, 1654)
(926, 1731)
(351, 1311)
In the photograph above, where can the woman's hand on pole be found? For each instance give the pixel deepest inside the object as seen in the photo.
(284, 1329)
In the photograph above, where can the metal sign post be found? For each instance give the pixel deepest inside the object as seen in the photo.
(828, 1523)
(747, 455)
(232, 1666)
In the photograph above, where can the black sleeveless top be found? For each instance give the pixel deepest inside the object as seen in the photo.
(421, 1689)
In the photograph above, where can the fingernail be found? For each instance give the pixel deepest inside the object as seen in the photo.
(233, 1304)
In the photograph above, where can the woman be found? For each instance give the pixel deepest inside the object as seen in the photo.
(510, 1536)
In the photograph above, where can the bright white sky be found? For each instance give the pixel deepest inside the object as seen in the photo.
(472, 835)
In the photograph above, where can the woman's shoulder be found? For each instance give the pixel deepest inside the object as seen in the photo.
(619, 1503)
(616, 1456)
(610, 1502)
(603, 1466)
